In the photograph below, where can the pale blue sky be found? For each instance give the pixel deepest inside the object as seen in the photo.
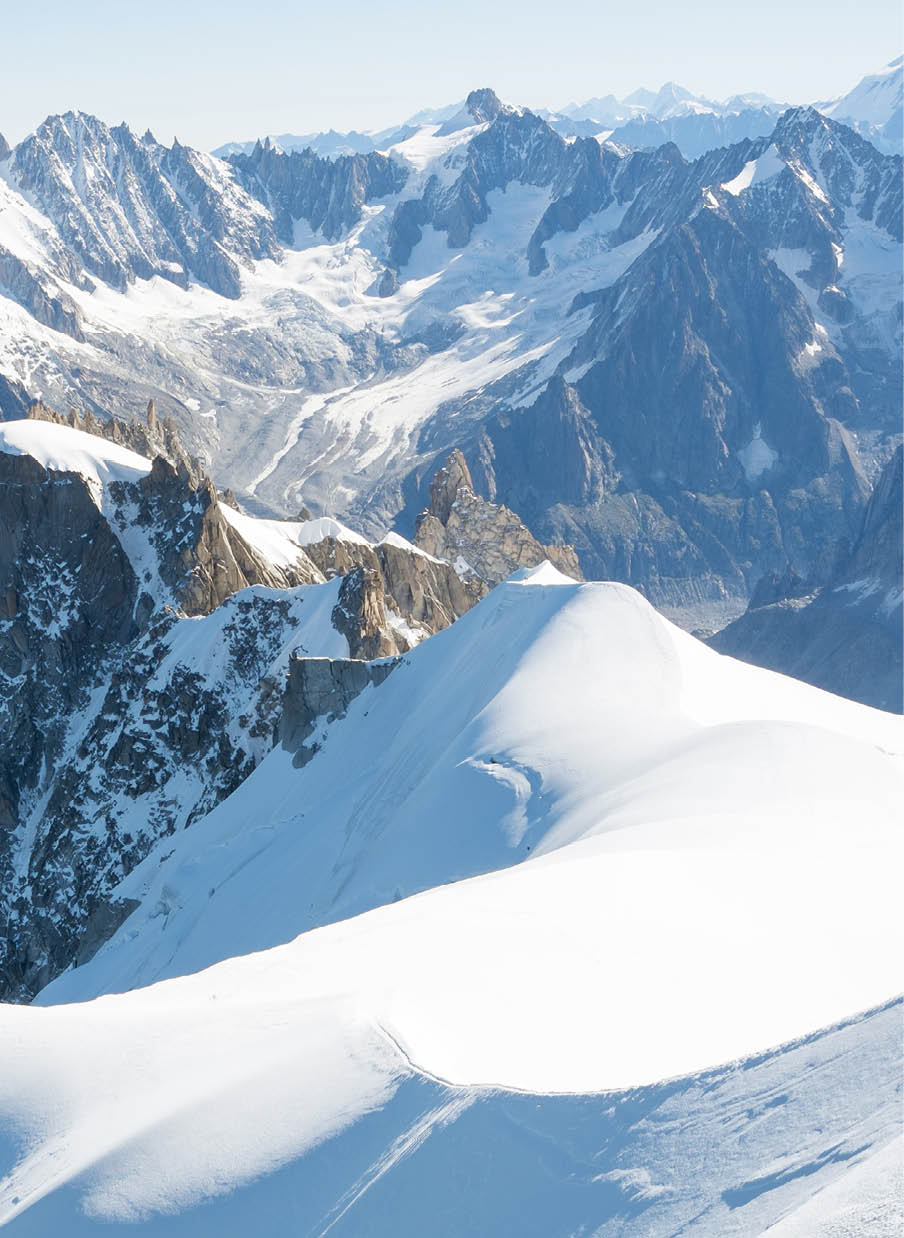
(213, 72)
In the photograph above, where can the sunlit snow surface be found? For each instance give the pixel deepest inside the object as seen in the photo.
(686, 861)
(60, 448)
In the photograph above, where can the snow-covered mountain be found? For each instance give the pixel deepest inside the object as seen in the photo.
(875, 107)
(621, 1002)
(148, 633)
(368, 871)
(487, 284)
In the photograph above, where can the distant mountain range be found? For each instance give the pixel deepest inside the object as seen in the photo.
(690, 371)
(648, 118)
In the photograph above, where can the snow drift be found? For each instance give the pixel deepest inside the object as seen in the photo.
(562, 849)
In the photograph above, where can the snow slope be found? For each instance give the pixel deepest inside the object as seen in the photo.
(874, 106)
(644, 737)
(60, 448)
(686, 860)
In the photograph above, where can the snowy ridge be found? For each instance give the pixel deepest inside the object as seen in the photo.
(579, 745)
(875, 106)
(674, 710)
(63, 449)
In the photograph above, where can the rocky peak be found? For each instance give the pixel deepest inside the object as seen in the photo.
(5, 148)
(796, 126)
(131, 209)
(201, 557)
(155, 436)
(330, 194)
(481, 539)
(447, 481)
(360, 614)
(484, 105)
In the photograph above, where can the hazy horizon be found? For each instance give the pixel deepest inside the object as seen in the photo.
(210, 76)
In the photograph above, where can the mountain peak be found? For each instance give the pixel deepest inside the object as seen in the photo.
(5, 149)
(798, 121)
(484, 105)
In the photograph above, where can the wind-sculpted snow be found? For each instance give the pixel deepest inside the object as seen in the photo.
(62, 449)
(551, 714)
(637, 861)
(671, 836)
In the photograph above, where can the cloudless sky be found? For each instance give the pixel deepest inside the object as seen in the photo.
(213, 72)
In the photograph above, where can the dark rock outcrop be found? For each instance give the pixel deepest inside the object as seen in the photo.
(14, 400)
(328, 193)
(318, 691)
(125, 722)
(360, 614)
(69, 597)
(103, 753)
(415, 593)
(46, 303)
(201, 557)
(847, 634)
(131, 208)
(481, 539)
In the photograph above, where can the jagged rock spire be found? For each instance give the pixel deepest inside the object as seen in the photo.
(486, 540)
(484, 105)
(447, 481)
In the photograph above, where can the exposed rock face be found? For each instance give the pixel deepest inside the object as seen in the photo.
(360, 614)
(104, 751)
(201, 557)
(721, 353)
(70, 597)
(162, 730)
(126, 720)
(46, 303)
(845, 635)
(691, 460)
(131, 208)
(516, 146)
(416, 594)
(329, 193)
(14, 400)
(482, 539)
(318, 691)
